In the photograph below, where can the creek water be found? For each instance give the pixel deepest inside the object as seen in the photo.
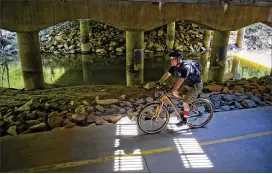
(69, 70)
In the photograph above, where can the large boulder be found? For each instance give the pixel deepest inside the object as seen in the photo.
(96, 119)
(241, 82)
(214, 87)
(37, 128)
(30, 105)
(106, 101)
(68, 124)
(99, 108)
(112, 118)
(257, 100)
(226, 108)
(150, 85)
(80, 114)
(248, 103)
(242, 97)
(239, 88)
(115, 118)
(253, 80)
(263, 89)
(229, 98)
(12, 130)
(238, 105)
(54, 120)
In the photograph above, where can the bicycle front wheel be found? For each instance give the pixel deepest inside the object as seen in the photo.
(153, 118)
(201, 113)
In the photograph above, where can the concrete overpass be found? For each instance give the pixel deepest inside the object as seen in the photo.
(28, 17)
(134, 15)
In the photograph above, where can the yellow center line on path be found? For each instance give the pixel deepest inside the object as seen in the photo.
(235, 138)
(145, 152)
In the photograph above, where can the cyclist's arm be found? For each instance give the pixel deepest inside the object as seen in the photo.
(164, 77)
(178, 84)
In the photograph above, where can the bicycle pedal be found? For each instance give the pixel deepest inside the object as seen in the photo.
(181, 123)
(179, 118)
(147, 118)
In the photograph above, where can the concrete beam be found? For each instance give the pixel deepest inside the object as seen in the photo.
(33, 15)
(258, 3)
(267, 24)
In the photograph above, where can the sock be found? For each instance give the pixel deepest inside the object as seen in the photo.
(185, 114)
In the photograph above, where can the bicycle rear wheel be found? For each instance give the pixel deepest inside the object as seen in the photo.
(151, 122)
(201, 113)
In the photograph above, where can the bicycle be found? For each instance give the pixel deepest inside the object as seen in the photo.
(160, 109)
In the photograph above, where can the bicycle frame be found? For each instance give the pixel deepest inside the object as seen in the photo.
(165, 98)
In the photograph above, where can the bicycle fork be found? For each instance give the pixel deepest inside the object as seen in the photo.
(158, 111)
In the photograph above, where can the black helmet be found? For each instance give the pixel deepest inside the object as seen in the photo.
(176, 53)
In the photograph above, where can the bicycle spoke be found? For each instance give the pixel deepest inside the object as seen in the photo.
(200, 113)
(153, 118)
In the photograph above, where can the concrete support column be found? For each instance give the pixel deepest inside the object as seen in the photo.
(170, 37)
(84, 34)
(31, 61)
(218, 55)
(204, 59)
(240, 37)
(134, 58)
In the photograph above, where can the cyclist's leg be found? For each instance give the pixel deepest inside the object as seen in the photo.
(183, 90)
(190, 97)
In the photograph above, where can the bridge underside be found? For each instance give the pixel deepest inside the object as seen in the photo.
(133, 15)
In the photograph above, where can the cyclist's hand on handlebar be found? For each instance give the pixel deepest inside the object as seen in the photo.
(158, 84)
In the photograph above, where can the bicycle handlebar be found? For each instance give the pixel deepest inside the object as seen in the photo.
(165, 92)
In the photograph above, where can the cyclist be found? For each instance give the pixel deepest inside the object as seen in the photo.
(188, 73)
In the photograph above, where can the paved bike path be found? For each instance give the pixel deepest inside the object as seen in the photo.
(116, 148)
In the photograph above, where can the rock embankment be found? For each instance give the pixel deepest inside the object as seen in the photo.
(105, 39)
(65, 38)
(68, 107)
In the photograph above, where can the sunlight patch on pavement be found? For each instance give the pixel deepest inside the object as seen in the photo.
(191, 154)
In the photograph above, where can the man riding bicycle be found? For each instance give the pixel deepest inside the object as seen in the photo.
(189, 74)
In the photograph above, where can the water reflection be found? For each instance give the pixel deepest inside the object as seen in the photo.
(107, 74)
(66, 70)
(11, 76)
(87, 62)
